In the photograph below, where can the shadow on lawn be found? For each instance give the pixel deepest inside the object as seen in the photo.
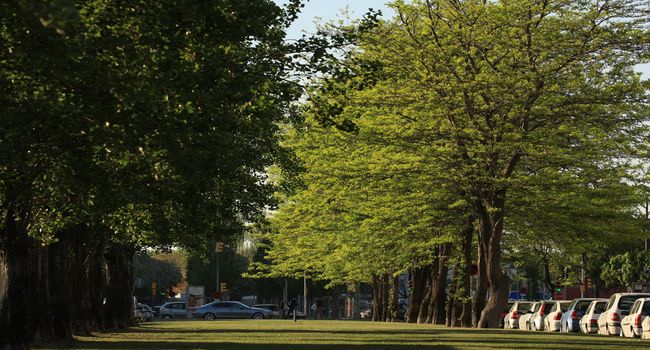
(236, 346)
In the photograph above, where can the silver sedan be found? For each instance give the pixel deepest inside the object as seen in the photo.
(230, 309)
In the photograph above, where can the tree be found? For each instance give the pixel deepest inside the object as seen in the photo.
(150, 126)
(502, 91)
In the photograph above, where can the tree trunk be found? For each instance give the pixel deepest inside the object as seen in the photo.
(464, 282)
(119, 301)
(18, 324)
(439, 287)
(376, 296)
(385, 291)
(424, 308)
(451, 312)
(490, 233)
(478, 302)
(418, 279)
(394, 299)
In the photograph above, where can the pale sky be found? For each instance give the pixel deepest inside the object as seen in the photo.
(326, 10)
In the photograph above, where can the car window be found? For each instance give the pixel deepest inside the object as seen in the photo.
(646, 308)
(221, 305)
(625, 303)
(564, 306)
(547, 308)
(582, 305)
(522, 306)
(534, 307)
(554, 308)
(600, 307)
(610, 302)
(634, 307)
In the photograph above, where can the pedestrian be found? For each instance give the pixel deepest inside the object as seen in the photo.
(314, 310)
(292, 308)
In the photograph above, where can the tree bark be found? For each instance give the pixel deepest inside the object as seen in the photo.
(393, 304)
(478, 302)
(119, 301)
(490, 234)
(439, 287)
(451, 312)
(424, 308)
(18, 326)
(418, 278)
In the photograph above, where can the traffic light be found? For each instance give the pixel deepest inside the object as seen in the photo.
(154, 287)
(218, 247)
(410, 284)
(223, 286)
(558, 289)
(589, 283)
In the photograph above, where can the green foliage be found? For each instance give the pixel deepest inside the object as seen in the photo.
(527, 115)
(151, 269)
(622, 270)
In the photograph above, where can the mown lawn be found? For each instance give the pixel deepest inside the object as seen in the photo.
(331, 335)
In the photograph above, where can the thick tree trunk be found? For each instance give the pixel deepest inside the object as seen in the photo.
(119, 301)
(490, 233)
(419, 281)
(424, 308)
(18, 317)
(439, 287)
(98, 282)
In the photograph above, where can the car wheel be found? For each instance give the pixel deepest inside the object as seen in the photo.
(169, 317)
(209, 316)
(258, 316)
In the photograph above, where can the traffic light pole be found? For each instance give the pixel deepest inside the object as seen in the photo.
(218, 277)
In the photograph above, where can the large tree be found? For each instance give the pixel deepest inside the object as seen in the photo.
(129, 124)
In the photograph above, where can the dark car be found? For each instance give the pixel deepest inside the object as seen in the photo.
(570, 321)
(230, 309)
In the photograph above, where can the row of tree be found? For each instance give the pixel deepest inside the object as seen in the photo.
(128, 124)
(466, 136)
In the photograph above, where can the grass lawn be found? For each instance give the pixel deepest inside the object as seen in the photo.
(331, 335)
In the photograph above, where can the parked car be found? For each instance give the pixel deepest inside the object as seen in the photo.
(538, 318)
(631, 324)
(645, 328)
(511, 320)
(275, 309)
(524, 319)
(618, 306)
(504, 313)
(230, 309)
(589, 322)
(552, 320)
(174, 309)
(570, 321)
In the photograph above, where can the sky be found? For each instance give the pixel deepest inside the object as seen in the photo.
(326, 10)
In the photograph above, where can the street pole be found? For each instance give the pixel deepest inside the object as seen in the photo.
(218, 277)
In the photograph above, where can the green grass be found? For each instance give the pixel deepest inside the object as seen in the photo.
(331, 335)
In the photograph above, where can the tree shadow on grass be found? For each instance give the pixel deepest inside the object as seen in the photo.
(158, 345)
